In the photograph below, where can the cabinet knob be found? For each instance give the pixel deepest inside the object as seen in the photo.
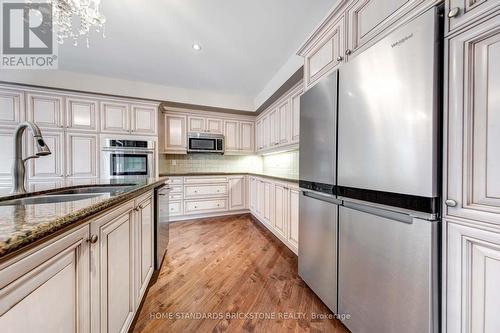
(93, 239)
(454, 12)
(348, 51)
(340, 58)
(450, 203)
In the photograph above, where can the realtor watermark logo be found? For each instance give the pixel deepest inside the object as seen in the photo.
(27, 36)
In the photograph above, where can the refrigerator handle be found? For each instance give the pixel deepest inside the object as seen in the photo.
(396, 216)
(322, 197)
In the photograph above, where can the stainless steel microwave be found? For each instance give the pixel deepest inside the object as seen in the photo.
(205, 143)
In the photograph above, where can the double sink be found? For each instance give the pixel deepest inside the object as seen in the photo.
(70, 194)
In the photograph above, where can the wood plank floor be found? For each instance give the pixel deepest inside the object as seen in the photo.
(230, 274)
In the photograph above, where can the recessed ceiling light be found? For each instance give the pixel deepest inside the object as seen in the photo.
(196, 47)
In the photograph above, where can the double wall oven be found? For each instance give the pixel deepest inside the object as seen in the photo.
(128, 158)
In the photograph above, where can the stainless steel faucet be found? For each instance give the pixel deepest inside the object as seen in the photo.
(18, 170)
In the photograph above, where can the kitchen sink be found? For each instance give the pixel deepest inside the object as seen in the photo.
(93, 189)
(45, 199)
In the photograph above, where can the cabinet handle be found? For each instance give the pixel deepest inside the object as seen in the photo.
(450, 203)
(348, 52)
(340, 58)
(454, 12)
(93, 239)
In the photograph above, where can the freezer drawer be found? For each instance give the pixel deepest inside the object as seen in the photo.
(318, 247)
(388, 271)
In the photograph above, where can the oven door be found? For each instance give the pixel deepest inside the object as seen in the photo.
(121, 163)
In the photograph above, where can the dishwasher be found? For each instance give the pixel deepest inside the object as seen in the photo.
(161, 224)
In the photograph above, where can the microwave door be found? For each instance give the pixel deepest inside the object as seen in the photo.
(202, 144)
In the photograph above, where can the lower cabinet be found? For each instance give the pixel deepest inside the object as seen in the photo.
(237, 193)
(472, 275)
(91, 279)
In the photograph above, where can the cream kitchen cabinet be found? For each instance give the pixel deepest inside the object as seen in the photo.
(11, 106)
(51, 166)
(274, 127)
(231, 136)
(144, 119)
(46, 110)
(252, 193)
(280, 200)
(472, 273)
(284, 122)
(247, 137)
(203, 124)
(214, 125)
(7, 149)
(175, 137)
(125, 118)
(295, 115)
(82, 114)
(82, 155)
(239, 137)
(459, 13)
(293, 218)
(47, 289)
(237, 193)
(144, 242)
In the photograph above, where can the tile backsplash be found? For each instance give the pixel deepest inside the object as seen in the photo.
(279, 165)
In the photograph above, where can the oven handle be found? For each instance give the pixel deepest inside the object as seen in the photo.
(129, 151)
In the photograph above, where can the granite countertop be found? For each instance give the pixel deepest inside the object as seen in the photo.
(21, 225)
(187, 174)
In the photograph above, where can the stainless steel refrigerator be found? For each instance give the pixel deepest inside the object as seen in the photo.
(318, 205)
(388, 179)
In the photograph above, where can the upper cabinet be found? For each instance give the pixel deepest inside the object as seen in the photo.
(278, 128)
(175, 134)
(247, 137)
(239, 137)
(115, 117)
(143, 120)
(82, 114)
(203, 124)
(120, 117)
(459, 13)
(11, 107)
(214, 125)
(46, 110)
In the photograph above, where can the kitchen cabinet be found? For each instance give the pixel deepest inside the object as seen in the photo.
(214, 126)
(46, 110)
(47, 289)
(280, 200)
(143, 119)
(472, 272)
(253, 194)
(203, 124)
(50, 166)
(196, 124)
(196, 191)
(144, 236)
(112, 280)
(115, 117)
(246, 139)
(231, 136)
(175, 133)
(284, 122)
(260, 198)
(7, 149)
(259, 141)
(82, 114)
(239, 137)
(274, 127)
(204, 206)
(11, 106)
(472, 184)
(237, 193)
(295, 115)
(82, 155)
(293, 217)
(268, 202)
(459, 13)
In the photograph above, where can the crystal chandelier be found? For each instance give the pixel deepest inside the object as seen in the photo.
(74, 19)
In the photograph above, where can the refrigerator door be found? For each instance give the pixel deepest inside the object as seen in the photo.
(388, 271)
(388, 113)
(318, 226)
(318, 132)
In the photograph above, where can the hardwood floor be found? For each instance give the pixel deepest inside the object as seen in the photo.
(237, 272)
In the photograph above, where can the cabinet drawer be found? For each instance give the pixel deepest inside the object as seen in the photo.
(176, 189)
(205, 180)
(174, 180)
(175, 196)
(205, 206)
(204, 190)
(175, 208)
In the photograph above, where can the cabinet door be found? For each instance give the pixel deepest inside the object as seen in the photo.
(247, 137)
(268, 202)
(144, 243)
(196, 124)
(293, 218)
(295, 117)
(115, 117)
(472, 276)
(258, 134)
(83, 155)
(113, 281)
(237, 193)
(11, 107)
(214, 125)
(231, 133)
(175, 133)
(260, 197)
(52, 165)
(144, 119)
(45, 110)
(473, 122)
(368, 18)
(280, 209)
(253, 194)
(7, 149)
(274, 127)
(81, 114)
(284, 123)
(326, 54)
(467, 11)
(48, 290)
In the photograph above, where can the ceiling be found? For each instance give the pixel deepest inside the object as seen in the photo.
(244, 43)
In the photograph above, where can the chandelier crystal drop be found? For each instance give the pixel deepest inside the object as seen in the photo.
(75, 19)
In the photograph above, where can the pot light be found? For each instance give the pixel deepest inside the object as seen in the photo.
(196, 47)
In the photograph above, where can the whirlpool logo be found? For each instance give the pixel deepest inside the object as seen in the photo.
(27, 36)
(402, 40)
